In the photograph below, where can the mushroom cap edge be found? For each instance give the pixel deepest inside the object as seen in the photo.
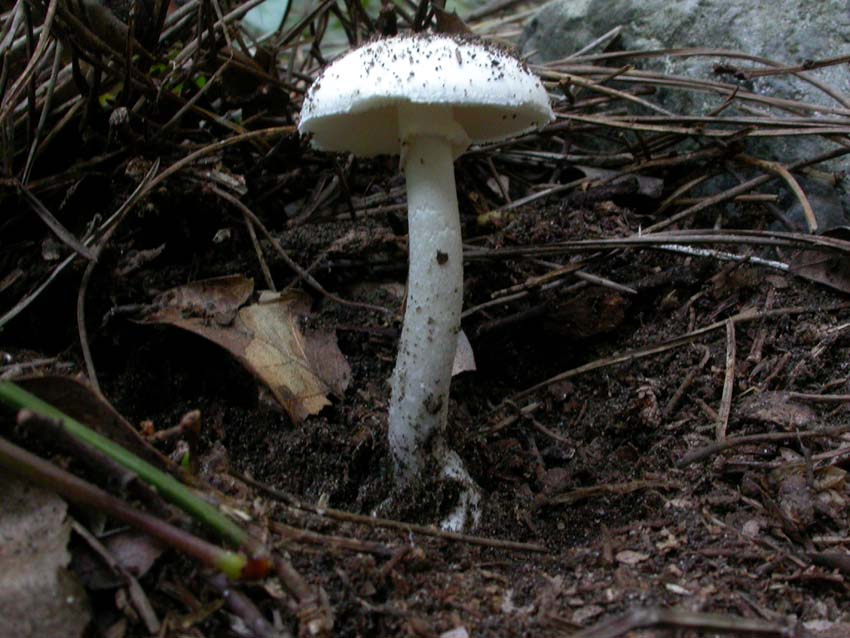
(352, 106)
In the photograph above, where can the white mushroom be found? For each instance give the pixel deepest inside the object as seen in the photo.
(427, 98)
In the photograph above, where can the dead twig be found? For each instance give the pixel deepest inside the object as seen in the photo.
(613, 489)
(246, 610)
(820, 398)
(673, 403)
(778, 169)
(728, 382)
(64, 235)
(301, 272)
(409, 528)
(768, 437)
(639, 353)
(332, 543)
(140, 601)
(682, 620)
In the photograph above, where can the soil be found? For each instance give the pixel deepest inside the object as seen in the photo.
(589, 473)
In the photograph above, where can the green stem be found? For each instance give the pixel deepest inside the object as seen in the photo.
(234, 565)
(170, 488)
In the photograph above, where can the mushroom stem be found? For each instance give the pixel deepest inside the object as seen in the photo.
(420, 382)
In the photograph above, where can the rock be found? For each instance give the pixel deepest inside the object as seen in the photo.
(786, 31)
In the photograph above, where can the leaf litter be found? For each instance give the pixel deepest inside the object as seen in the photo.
(300, 365)
(39, 595)
(760, 532)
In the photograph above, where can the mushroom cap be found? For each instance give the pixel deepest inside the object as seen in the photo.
(353, 105)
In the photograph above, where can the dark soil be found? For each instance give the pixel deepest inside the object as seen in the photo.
(590, 474)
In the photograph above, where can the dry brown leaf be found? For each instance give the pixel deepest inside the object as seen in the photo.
(301, 367)
(777, 408)
(215, 300)
(829, 269)
(822, 268)
(38, 595)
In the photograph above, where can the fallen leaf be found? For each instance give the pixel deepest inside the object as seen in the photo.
(822, 268)
(464, 356)
(830, 477)
(300, 366)
(776, 408)
(629, 557)
(38, 595)
(829, 269)
(134, 551)
(796, 501)
(215, 300)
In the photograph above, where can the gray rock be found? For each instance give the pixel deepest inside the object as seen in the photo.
(786, 31)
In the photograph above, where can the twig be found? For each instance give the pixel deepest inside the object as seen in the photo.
(242, 606)
(623, 95)
(639, 353)
(258, 250)
(410, 528)
(742, 189)
(605, 38)
(510, 420)
(769, 437)
(667, 240)
(140, 601)
(52, 430)
(724, 53)
(725, 256)
(314, 614)
(728, 382)
(594, 491)
(40, 472)
(682, 620)
(761, 336)
(45, 109)
(64, 235)
(171, 489)
(107, 229)
(296, 535)
(142, 191)
(778, 169)
(673, 403)
(301, 272)
(820, 398)
(13, 93)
